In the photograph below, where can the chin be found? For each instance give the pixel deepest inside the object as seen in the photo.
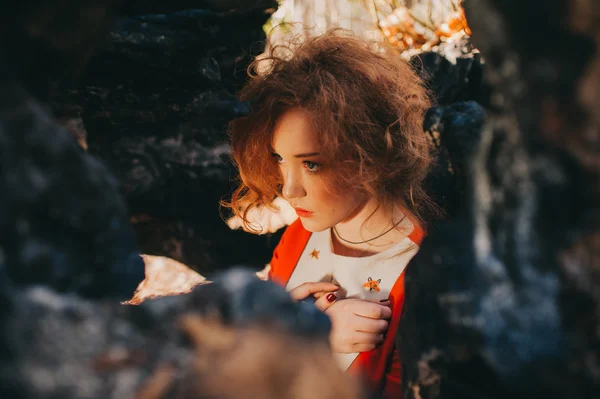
(313, 226)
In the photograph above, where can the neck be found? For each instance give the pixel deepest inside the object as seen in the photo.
(365, 223)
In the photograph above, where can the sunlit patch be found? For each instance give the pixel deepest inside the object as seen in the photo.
(264, 273)
(418, 28)
(263, 220)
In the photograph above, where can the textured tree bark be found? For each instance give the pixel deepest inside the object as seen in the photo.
(503, 299)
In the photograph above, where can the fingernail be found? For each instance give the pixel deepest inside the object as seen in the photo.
(331, 297)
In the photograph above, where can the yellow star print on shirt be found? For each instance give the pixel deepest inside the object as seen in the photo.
(314, 254)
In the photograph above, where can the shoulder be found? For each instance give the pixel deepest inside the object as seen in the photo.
(417, 235)
(288, 251)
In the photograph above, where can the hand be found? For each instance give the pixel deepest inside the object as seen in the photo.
(323, 292)
(357, 325)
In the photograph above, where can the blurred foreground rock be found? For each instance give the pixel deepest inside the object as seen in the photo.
(200, 345)
(63, 222)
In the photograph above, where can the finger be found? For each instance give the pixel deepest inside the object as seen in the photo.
(372, 310)
(363, 347)
(367, 325)
(366, 341)
(384, 302)
(367, 338)
(326, 301)
(339, 293)
(304, 290)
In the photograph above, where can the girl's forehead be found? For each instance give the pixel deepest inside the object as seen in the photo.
(294, 129)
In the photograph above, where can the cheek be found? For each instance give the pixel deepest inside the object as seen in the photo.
(350, 202)
(318, 190)
(336, 204)
(325, 195)
(328, 199)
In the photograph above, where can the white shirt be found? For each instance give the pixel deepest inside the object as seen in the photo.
(369, 277)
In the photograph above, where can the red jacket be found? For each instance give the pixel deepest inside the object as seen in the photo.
(381, 366)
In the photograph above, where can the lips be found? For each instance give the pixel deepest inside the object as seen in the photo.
(303, 213)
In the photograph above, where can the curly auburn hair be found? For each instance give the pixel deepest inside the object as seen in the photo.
(367, 106)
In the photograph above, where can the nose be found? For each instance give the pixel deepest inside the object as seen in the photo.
(292, 185)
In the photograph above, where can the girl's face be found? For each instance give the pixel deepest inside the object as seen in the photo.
(307, 175)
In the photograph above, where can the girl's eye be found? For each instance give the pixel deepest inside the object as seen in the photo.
(311, 166)
(278, 158)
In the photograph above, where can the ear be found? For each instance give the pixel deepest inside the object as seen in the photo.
(378, 281)
(369, 279)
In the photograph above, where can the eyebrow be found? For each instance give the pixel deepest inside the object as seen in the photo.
(303, 155)
(307, 154)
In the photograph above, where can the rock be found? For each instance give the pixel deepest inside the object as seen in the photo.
(452, 82)
(501, 300)
(455, 131)
(63, 345)
(155, 102)
(62, 221)
(241, 299)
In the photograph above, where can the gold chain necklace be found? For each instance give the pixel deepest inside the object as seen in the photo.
(370, 239)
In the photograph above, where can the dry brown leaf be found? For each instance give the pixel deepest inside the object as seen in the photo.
(165, 277)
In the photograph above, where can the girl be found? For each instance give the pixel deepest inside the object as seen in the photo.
(336, 129)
